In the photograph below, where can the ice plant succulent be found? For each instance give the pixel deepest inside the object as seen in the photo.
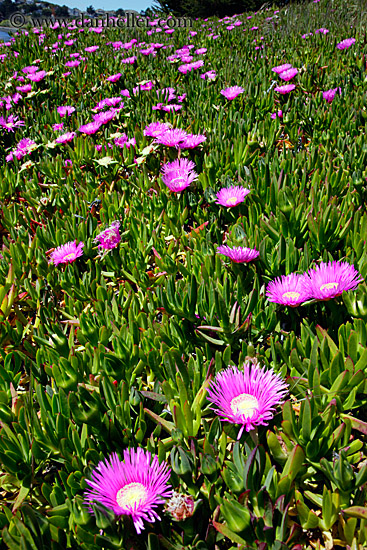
(171, 138)
(24, 147)
(134, 486)
(231, 196)
(281, 68)
(247, 397)
(110, 237)
(10, 123)
(69, 136)
(179, 174)
(278, 114)
(344, 44)
(285, 89)
(90, 128)
(330, 94)
(329, 280)
(232, 92)
(238, 254)
(288, 290)
(288, 74)
(180, 506)
(66, 253)
(192, 140)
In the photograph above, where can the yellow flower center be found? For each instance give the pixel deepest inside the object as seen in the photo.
(70, 256)
(292, 295)
(131, 494)
(328, 286)
(232, 201)
(245, 404)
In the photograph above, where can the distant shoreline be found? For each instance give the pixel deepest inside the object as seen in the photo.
(8, 29)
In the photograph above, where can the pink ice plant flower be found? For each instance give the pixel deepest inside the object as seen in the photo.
(24, 147)
(179, 174)
(155, 129)
(168, 93)
(105, 116)
(24, 89)
(329, 280)
(188, 67)
(173, 107)
(232, 92)
(285, 89)
(30, 70)
(38, 76)
(66, 253)
(172, 138)
(288, 74)
(90, 128)
(16, 97)
(231, 196)
(114, 77)
(10, 123)
(238, 254)
(64, 110)
(147, 86)
(278, 114)
(247, 397)
(64, 138)
(72, 64)
(110, 237)
(100, 147)
(192, 140)
(109, 102)
(344, 44)
(288, 290)
(133, 487)
(124, 141)
(210, 75)
(281, 68)
(129, 60)
(330, 94)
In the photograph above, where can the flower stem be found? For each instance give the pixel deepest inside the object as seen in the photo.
(254, 436)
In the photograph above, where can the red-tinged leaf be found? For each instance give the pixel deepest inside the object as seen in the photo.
(155, 396)
(23, 493)
(222, 528)
(197, 229)
(356, 512)
(322, 333)
(356, 423)
(207, 327)
(294, 462)
(169, 426)
(210, 339)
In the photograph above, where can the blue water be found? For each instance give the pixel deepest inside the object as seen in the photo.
(4, 36)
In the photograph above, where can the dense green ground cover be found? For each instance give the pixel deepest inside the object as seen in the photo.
(117, 350)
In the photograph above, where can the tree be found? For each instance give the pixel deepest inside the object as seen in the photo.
(120, 12)
(91, 10)
(6, 9)
(147, 13)
(207, 8)
(62, 11)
